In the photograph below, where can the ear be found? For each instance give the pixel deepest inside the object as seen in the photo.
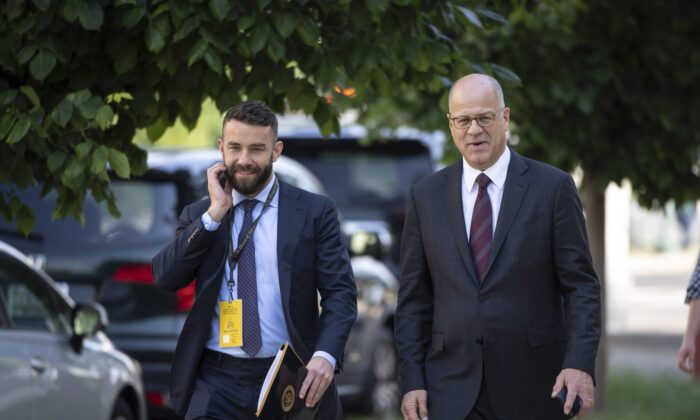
(220, 143)
(506, 116)
(277, 150)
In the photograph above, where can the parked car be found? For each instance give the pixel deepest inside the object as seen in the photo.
(109, 260)
(55, 360)
(369, 178)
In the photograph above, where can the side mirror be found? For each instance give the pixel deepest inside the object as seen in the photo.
(365, 243)
(87, 319)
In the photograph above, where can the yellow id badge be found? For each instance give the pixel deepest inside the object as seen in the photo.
(230, 323)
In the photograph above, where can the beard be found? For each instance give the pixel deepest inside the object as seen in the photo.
(254, 185)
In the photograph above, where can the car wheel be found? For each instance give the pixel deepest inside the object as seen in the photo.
(382, 398)
(122, 410)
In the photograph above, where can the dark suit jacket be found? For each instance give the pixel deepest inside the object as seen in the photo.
(537, 311)
(312, 258)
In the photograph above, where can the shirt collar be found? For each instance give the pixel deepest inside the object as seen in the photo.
(261, 196)
(496, 172)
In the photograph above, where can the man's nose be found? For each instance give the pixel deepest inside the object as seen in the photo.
(244, 158)
(474, 127)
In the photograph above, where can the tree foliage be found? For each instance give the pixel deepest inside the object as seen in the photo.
(611, 87)
(80, 76)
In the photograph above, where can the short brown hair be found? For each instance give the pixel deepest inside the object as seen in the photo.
(254, 113)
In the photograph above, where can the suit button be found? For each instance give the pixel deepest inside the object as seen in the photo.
(480, 341)
(482, 299)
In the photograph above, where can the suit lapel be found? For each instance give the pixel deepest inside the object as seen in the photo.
(513, 193)
(290, 221)
(451, 192)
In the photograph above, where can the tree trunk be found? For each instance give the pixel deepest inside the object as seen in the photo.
(594, 209)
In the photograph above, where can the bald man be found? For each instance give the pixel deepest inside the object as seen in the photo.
(499, 305)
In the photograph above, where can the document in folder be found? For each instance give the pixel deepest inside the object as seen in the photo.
(279, 396)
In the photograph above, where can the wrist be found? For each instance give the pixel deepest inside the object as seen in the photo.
(216, 213)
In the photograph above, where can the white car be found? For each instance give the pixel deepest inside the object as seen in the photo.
(55, 362)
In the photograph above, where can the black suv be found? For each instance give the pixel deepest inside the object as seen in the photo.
(109, 261)
(368, 178)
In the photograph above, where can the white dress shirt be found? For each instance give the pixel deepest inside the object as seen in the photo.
(273, 327)
(497, 173)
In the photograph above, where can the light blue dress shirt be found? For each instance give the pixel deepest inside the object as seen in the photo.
(272, 323)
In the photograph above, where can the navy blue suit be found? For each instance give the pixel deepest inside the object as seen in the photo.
(536, 312)
(312, 259)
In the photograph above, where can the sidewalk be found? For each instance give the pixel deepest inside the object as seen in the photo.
(649, 331)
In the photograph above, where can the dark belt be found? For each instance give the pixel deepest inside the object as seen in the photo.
(226, 360)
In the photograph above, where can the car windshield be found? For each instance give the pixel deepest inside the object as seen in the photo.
(378, 175)
(147, 210)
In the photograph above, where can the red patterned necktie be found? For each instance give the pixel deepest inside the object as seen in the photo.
(247, 286)
(481, 230)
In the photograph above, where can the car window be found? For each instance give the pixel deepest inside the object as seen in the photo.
(30, 303)
(148, 211)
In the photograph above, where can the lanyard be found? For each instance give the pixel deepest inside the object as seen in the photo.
(234, 255)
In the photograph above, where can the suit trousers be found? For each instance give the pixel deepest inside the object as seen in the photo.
(482, 409)
(227, 387)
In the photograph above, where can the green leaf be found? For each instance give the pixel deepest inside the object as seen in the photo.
(213, 60)
(492, 15)
(14, 205)
(19, 130)
(471, 16)
(214, 40)
(25, 219)
(133, 16)
(73, 175)
(186, 28)
(258, 37)
(30, 93)
(219, 8)
(505, 74)
(7, 96)
(26, 54)
(42, 5)
(421, 62)
(119, 163)
(197, 52)
(154, 39)
(156, 130)
(91, 15)
(89, 108)
(99, 160)
(262, 4)
(42, 64)
(113, 210)
(70, 10)
(307, 30)
(104, 116)
(284, 23)
(82, 149)
(126, 60)
(245, 22)
(62, 113)
(275, 48)
(6, 124)
(55, 160)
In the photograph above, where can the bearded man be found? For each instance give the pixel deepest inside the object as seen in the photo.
(261, 251)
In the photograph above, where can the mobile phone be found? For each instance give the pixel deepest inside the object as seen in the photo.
(223, 178)
(561, 396)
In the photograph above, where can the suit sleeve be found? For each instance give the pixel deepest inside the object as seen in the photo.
(414, 312)
(579, 285)
(174, 266)
(336, 285)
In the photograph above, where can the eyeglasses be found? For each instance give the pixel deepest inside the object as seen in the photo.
(465, 121)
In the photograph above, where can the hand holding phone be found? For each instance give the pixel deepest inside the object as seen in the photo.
(561, 396)
(219, 193)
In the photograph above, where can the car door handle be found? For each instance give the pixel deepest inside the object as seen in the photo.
(37, 364)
